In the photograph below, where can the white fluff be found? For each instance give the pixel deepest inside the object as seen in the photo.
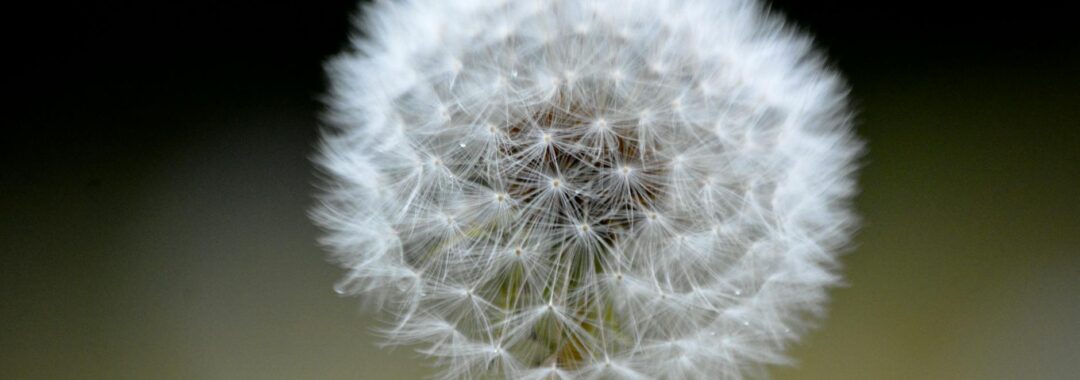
(632, 189)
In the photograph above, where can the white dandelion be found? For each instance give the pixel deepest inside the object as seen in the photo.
(631, 189)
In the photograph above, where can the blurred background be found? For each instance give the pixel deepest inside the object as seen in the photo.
(154, 182)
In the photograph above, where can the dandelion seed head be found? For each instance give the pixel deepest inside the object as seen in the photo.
(587, 189)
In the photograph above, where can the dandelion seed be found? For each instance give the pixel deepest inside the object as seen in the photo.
(625, 189)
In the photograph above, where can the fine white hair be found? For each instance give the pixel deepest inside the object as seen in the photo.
(599, 189)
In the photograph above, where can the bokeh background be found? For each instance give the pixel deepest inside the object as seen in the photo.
(155, 178)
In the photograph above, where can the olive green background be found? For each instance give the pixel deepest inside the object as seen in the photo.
(152, 221)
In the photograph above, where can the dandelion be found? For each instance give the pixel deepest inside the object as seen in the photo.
(602, 189)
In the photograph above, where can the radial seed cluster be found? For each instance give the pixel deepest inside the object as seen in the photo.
(597, 189)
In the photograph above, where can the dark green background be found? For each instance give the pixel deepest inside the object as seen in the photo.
(155, 180)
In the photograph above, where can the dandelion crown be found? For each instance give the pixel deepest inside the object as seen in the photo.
(599, 189)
